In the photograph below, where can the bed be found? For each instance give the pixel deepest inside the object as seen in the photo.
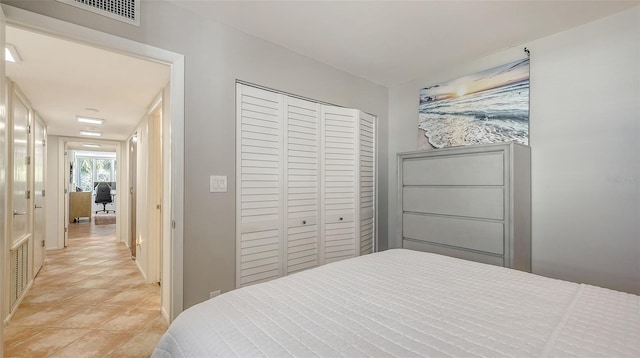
(407, 303)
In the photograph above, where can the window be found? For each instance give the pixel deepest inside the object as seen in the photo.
(95, 169)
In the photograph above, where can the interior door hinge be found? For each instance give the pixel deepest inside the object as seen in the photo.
(28, 128)
(42, 243)
(65, 229)
(28, 194)
(28, 160)
(43, 193)
(173, 224)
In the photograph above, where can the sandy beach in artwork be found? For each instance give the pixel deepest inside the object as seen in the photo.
(423, 141)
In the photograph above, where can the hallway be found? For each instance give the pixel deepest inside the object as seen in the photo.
(89, 300)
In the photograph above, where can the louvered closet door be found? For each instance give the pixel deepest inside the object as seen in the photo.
(302, 184)
(340, 188)
(260, 211)
(367, 185)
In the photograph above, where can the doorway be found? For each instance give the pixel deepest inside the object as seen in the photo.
(173, 138)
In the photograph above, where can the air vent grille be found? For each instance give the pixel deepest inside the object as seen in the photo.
(123, 10)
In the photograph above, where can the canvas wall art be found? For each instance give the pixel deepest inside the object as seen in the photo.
(490, 106)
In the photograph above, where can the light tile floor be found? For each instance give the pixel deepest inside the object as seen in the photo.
(89, 300)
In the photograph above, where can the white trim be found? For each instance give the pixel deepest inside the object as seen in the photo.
(238, 126)
(4, 252)
(56, 27)
(17, 304)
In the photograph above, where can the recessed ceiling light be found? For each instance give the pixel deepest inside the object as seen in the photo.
(11, 54)
(91, 145)
(89, 120)
(91, 134)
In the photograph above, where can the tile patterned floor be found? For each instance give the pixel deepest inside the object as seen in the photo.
(89, 300)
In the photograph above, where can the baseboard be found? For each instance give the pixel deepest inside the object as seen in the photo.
(144, 275)
(165, 314)
(17, 305)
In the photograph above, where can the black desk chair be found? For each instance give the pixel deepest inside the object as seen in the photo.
(103, 196)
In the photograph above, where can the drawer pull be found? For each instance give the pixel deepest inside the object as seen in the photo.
(341, 219)
(304, 222)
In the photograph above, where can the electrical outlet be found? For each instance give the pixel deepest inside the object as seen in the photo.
(213, 294)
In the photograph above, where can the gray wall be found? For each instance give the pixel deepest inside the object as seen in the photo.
(584, 136)
(215, 57)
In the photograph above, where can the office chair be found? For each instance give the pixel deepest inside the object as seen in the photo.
(103, 196)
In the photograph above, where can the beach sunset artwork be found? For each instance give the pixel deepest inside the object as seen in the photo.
(491, 106)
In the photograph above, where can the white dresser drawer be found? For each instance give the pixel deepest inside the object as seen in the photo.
(478, 202)
(477, 235)
(453, 252)
(460, 169)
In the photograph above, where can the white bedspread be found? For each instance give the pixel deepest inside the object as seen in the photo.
(407, 304)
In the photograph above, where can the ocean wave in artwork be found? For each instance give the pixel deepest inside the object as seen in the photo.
(499, 114)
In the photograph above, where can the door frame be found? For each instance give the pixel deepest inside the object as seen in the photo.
(173, 168)
(63, 179)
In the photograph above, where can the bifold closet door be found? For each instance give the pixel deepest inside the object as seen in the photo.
(260, 178)
(305, 184)
(339, 183)
(367, 184)
(302, 184)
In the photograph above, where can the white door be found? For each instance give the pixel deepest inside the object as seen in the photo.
(21, 249)
(302, 185)
(39, 160)
(367, 183)
(154, 196)
(259, 217)
(19, 185)
(339, 185)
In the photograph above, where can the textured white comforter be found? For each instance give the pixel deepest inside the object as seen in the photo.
(408, 304)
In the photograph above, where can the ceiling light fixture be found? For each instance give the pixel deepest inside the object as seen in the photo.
(11, 54)
(91, 145)
(89, 120)
(91, 134)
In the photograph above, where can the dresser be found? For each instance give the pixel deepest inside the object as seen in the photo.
(471, 202)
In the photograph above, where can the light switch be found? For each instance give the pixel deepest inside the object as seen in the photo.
(218, 184)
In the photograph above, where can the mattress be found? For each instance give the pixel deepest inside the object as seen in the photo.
(404, 303)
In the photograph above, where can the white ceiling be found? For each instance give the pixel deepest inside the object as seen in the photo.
(63, 79)
(392, 42)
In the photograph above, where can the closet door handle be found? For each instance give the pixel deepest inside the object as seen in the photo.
(38, 206)
(16, 213)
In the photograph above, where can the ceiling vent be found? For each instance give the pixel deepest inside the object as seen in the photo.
(127, 11)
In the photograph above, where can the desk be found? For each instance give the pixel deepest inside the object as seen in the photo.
(79, 205)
